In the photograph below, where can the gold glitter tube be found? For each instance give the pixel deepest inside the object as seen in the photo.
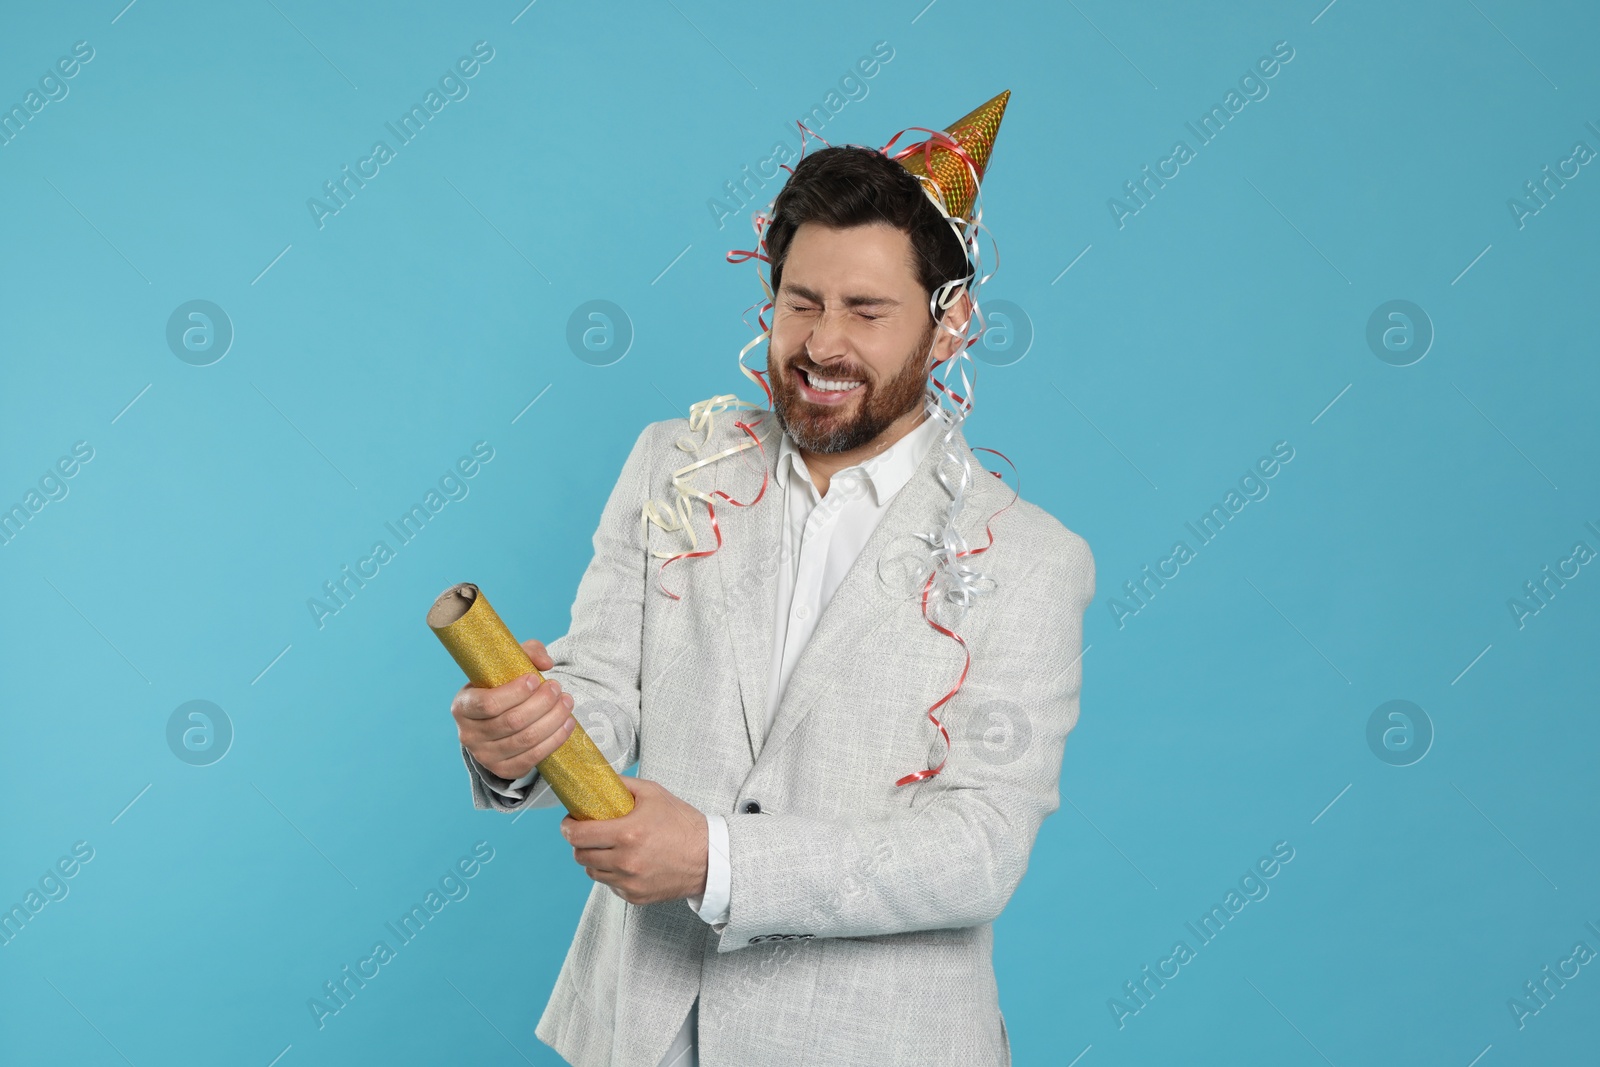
(481, 645)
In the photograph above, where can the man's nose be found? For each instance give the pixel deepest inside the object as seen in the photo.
(827, 340)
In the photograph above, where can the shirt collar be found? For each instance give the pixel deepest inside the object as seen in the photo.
(886, 473)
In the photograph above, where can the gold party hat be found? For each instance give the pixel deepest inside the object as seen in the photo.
(934, 163)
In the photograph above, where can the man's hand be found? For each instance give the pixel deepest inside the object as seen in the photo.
(511, 727)
(655, 852)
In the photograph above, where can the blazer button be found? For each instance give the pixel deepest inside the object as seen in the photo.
(752, 808)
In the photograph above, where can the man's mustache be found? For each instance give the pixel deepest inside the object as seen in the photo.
(832, 375)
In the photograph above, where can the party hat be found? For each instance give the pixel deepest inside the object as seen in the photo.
(934, 162)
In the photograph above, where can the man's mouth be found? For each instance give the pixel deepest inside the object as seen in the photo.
(834, 386)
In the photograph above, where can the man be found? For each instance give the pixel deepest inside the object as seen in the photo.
(775, 897)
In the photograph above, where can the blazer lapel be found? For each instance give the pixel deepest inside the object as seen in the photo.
(747, 565)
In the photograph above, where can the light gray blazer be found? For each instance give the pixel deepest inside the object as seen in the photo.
(859, 922)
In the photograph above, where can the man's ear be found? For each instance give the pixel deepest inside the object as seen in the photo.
(956, 316)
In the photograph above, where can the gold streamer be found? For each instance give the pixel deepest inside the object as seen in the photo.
(479, 642)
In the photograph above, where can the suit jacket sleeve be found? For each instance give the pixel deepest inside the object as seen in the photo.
(955, 856)
(597, 659)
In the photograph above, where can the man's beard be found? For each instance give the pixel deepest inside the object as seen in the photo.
(826, 428)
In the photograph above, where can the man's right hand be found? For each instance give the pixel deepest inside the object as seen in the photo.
(512, 727)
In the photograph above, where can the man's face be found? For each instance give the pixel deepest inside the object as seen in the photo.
(850, 311)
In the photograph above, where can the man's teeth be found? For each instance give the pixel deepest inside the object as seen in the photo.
(825, 385)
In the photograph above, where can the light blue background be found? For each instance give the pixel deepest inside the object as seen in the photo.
(1225, 316)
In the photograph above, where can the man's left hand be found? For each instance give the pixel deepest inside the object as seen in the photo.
(655, 852)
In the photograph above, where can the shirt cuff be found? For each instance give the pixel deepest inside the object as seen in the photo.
(712, 906)
(511, 790)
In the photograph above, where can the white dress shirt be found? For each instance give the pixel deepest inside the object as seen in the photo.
(821, 538)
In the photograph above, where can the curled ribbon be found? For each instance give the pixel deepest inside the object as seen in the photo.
(955, 583)
(701, 414)
(952, 585)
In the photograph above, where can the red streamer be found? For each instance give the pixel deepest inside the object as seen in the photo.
(918, 776)
(712, 511)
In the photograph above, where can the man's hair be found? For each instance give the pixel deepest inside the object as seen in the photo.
(851, 186)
